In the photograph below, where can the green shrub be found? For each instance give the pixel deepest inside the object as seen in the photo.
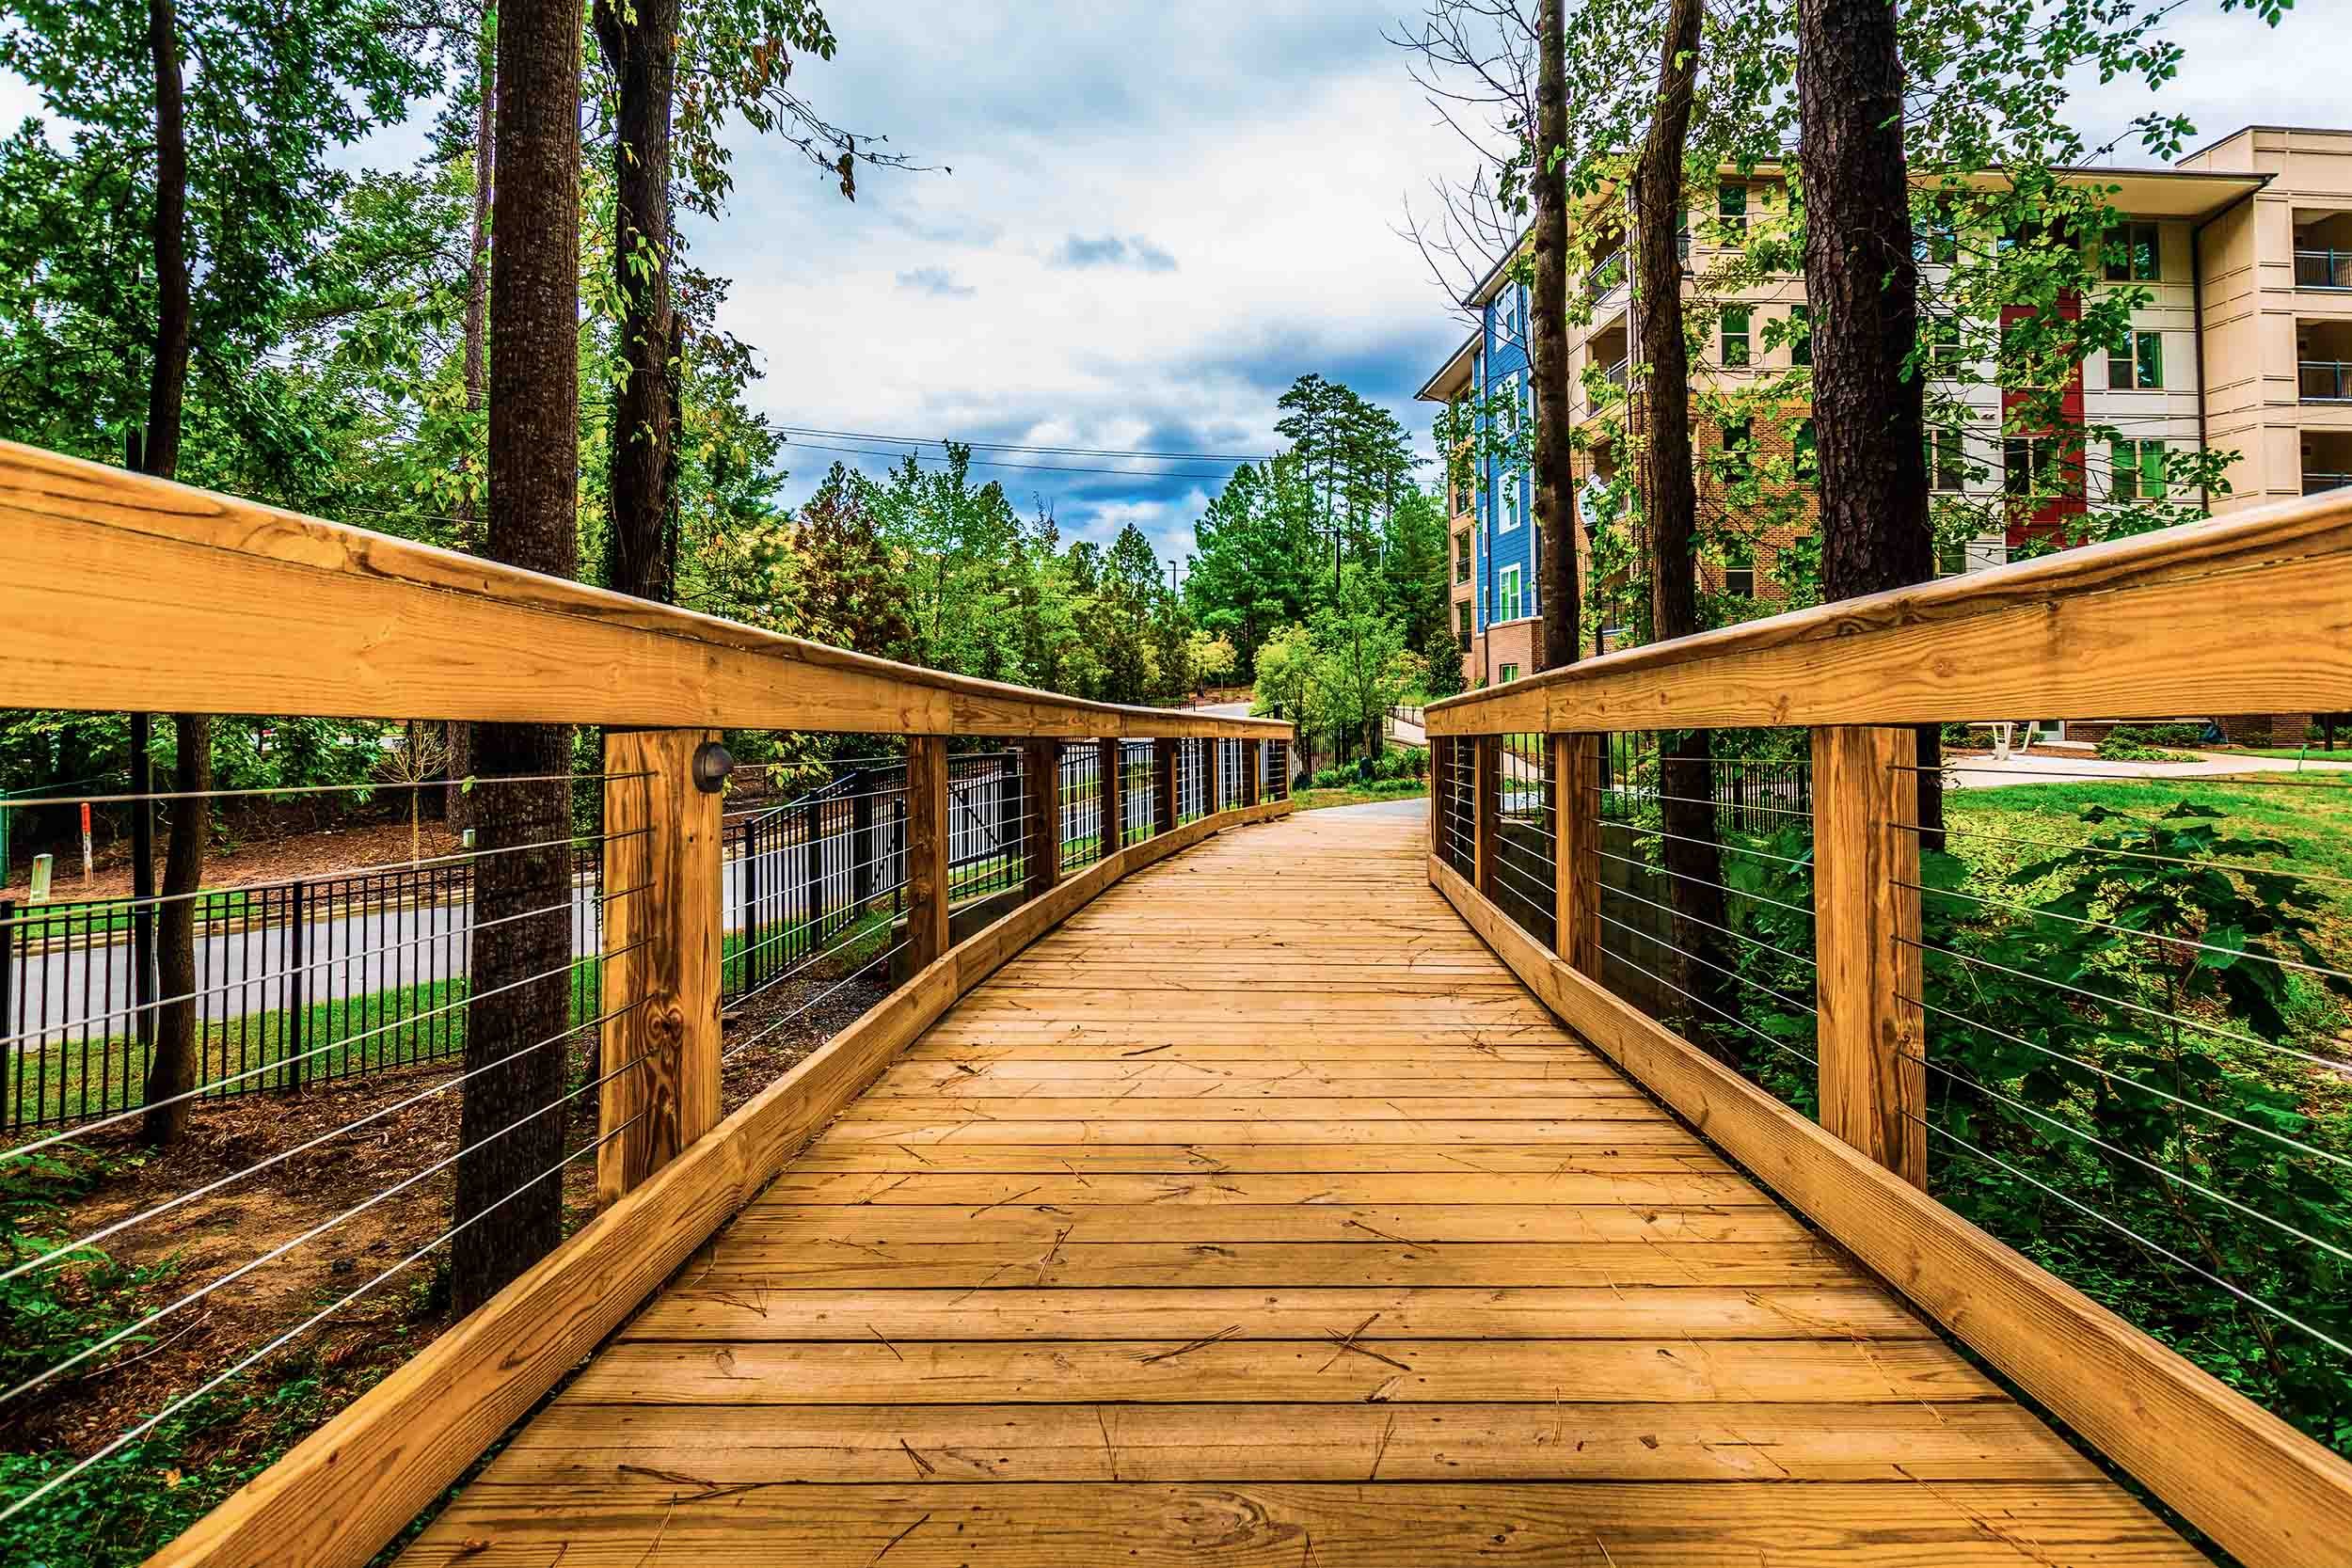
(2119, 745)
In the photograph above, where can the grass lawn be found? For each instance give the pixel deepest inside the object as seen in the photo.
(2312, 819)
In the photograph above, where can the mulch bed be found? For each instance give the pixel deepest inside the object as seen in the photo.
(207, 1237)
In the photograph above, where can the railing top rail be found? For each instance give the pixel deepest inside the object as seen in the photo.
(2250, 612)
(219, 605)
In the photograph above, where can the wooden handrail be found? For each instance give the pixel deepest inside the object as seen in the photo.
(216, 605)
(2268, 1493)
(2246, 614)
(2249, 613)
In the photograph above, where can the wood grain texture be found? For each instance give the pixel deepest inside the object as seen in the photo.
(659, 990)
(1576, 849)
(355, 1483)
(2264, 1491)
(1486, 809)
(2138, 628)
(1164, 785)
(928, 844)
(1144, 1253)
(362, 625)
(941, 1521)
(1872, 1031)
(1041, 801)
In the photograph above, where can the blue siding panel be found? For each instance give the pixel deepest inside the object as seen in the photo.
(1505, 356)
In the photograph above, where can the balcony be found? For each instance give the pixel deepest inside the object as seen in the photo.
(2326, 460)
(2323, 250)
(2323, 269)
(2323, 361)
(2323, 381)
(1607, 275)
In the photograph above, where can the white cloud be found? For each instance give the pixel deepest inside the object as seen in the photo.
(1162, 220)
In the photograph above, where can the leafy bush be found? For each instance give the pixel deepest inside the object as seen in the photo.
(2104, 1025)
(2120, 746)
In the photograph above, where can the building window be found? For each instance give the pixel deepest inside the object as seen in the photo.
(1801, 334)
(1508, 483)
(1738, 439)
(1731, 213)
(1510, 673)
(1461, 556)
(1739, 582)
(2138, 470)
(2025, 462)
(1510, 606)
(1463, 629)
(1735, 335)
(2132, 254)
(2137, 364)
(1940, 335)
(1805, 453)
(1947, 468)
(1935, 242)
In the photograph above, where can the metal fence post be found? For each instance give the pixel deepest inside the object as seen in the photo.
(1164, 785)
(862, 845)
(297, 1028)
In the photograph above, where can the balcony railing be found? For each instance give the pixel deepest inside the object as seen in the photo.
(2315, 482)
(2324, 381)
(2323, 269)
(1605, 276)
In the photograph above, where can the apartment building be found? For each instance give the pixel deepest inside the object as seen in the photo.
(2245, 345)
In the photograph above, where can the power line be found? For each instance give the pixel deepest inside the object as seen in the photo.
(1040, 467)
(1021, 447)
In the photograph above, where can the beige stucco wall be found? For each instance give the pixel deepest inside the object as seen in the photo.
(2254, 308)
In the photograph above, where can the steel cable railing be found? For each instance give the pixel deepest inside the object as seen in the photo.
(2138, 1021)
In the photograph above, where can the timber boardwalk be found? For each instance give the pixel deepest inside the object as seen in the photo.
(1259, 1215)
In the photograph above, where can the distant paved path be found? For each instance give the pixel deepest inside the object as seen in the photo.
(1986, 772)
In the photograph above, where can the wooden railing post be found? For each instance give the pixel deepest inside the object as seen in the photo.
(660, 993)
(1252, 763)
(1441, 758)
(1164, 785)
(1041, 768)
(1110, 806)
(1576, 850)
(927, 849)
(1487, 810)
(1872, 1034)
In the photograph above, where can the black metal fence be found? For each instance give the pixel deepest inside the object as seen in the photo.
(323, 978)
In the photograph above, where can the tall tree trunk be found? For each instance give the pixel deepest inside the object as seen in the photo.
(1693, 862)
(1555, 515)
(456, 805)
(521, 968)
(171, 1069)
(1860, 276)
(640, 44)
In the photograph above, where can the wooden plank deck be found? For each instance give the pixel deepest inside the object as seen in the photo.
(1256, 1216)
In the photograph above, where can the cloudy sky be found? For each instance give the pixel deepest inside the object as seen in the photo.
(1158, 216)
